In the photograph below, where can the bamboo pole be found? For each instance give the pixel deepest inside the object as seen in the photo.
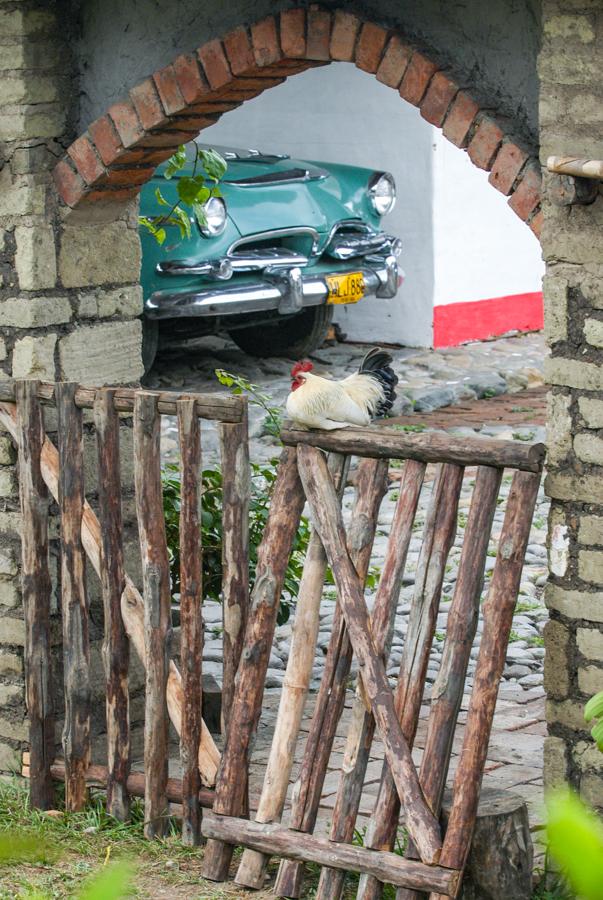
(116, 646)
(131, 601)
(74, 600)
(253, 865)
(576, 166)
(37, 591)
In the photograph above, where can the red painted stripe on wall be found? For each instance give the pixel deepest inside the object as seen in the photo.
(459, 322)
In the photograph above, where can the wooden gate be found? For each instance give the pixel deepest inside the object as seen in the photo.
(434, 862)
(144, 621)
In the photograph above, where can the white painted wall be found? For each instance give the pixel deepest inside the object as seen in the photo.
(460, 240)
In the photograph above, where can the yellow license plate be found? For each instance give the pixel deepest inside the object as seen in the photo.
(345, 288)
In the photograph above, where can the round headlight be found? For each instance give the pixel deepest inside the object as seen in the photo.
(382, 192)
(215, 217)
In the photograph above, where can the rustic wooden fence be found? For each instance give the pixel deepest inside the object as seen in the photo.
(433, 863)
(144, 621)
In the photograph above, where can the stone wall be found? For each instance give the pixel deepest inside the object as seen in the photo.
(69, 297)
(571, 122)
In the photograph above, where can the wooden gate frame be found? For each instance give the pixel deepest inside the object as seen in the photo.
(146, 622)
(433, 863)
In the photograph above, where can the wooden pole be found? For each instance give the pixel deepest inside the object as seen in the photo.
(37, 590)
(360, 736)
(422, 825)
(574, 165)
(438, 536)
(191, 618)
(116, 647)
(75, 613)
(253, 865)
(371, 484)
(132, 607)
(157, 607)
(236, 488)
(272, 559)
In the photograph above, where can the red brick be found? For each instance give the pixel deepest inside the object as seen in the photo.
(167, 85)
(166, 138)
(343, 37)
(215, 64)
(460, 118)
(70, 186)
(192, 123)
(369, 48)
(239, 51)
(190, 79)
(264, 39)
(130, 177)
(509, 161)
(416, 78)
(319, 34)
(485, 142)
(536, 224)
(84, 155)
(441, 92)
(123, 115)
(106, 140)
(395, 60)
(526, 196)
(106, 195)
(147, 104)
(293, 33)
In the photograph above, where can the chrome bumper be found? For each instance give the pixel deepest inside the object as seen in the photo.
(286, 290)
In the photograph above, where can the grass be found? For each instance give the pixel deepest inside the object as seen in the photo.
(526, 606)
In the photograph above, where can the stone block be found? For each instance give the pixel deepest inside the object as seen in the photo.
(8, 482)
(10, 523)
(11, 694)
(12, 631)
(586, 755)
(8, 561)
(590, 644)
(102, 354)
(577, 488)
(591, 790)
(35, 312)
(99, 254)
(593, 332)
(589, 448)
(28, 88)
(590, 680)
(35, 258)
(125, 302)
(590, 530)
(10, 595)
(559, 427)
(555, 291)
(33, 357)
(20, 195)
(570, 28)
(590, 565)
(591, 411)
(10, 663)
(10, 759)
(17, 730)
(573, 373)
(575, 604)
(555, 761)
(33, 123)
(556, 665)
(569, 713)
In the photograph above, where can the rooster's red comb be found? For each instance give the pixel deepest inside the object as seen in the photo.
(303, 366)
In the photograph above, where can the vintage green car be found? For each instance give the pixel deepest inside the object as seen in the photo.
(287, 241)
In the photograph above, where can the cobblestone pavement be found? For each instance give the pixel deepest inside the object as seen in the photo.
(428, 381)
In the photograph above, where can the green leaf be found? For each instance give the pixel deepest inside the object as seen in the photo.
(597, 734)
(594, 707)
(199, 212)
(176, 162)
(160, 198)
(112, 883)
(213, 163)
(180, 218)
(575, 837)
(149, 224)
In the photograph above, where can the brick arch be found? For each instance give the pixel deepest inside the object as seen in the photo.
(119, 151)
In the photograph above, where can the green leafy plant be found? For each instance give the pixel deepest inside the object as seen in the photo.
(237, 384)
(193, 191)
(575, 840)
(594, 710)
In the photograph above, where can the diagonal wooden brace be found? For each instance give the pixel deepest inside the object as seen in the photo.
(321, 495)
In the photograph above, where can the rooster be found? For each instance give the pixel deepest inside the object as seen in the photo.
(316, 402)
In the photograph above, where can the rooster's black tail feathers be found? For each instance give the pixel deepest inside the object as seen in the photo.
(377, 363)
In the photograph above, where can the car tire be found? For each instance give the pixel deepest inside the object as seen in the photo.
(293, 336)
(150, 343)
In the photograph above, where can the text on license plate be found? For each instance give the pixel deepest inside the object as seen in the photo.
(345, 288)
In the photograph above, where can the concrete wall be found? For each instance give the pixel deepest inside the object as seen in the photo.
(491, 46)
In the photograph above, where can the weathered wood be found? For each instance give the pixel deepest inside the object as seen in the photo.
(371, 484)
(222, 407)
(36, 591)
(438, 536)
(132, 606)
(272, 559)
(236, 487)
(307, 848)
(362, 728)
(431, 447)
(157, 607)
(74, 600)
(448, 688)
(574, 165)
(116, 647)
(498, 618)
(252, 868)
(191, 618)
(422, 825)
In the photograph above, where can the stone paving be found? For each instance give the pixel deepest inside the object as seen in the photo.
(428, 381)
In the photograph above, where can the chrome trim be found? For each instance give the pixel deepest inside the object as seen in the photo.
(290, 176)
(285, 290)
(276, 233)
(345, 246)
(372, 183)
(252, 260)
(217, 268)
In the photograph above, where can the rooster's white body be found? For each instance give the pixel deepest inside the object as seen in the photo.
(322, 403)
